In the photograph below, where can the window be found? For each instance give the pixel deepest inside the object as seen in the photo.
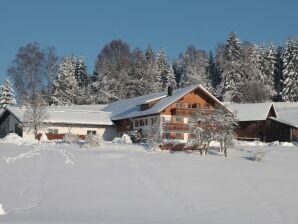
(89, 132)
(177, 105)
(146, 122)
(187, 105)
(167, 136)
(136, 123)
(152, 120)
(52, 131)
(178, 120)
(144, 107)
(141, 123)
(179, 136)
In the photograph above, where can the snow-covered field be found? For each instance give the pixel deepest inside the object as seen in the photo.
(125, 184)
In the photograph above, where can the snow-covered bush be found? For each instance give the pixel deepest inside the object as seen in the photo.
(259, 156)
(125, 139)
(93, 140)
(44, 138)
(71, 138)
(116, 140)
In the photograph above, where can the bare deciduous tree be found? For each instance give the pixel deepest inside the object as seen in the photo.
(153, 133)
(211, 124)
(35, 114)
(31, 71)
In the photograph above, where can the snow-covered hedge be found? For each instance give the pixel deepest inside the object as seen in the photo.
(71, 138)
(93, 140)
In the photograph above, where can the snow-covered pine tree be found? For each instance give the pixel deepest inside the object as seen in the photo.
(195, 65)
(6, 95)
(81, 73)
(213, 71)
(65, 86)
(232, 76)
(251, 63)
(165, 70)
(278, 79)
(267, 67)
(253, 90)
(153, 76)
(82, 79)
(290, 71)
(137, 84)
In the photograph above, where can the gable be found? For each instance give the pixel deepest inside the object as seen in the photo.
(194, 99)
(272, 112)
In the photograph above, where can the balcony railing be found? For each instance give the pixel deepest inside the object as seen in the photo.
(186, 111)
(177, 127)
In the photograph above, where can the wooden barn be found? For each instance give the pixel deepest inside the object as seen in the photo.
(260, 121)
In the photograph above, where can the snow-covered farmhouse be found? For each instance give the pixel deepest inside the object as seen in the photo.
(79, 120)
(173, 107)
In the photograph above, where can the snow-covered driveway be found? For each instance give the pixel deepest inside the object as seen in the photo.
(125, 184)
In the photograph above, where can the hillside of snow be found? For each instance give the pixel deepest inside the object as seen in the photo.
(125, 184)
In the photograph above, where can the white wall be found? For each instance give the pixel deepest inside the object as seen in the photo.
(107, 132)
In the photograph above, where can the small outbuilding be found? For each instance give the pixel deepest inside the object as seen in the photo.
(80, 120)
(261, 121)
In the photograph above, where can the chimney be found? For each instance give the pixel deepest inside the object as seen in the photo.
(170, 90)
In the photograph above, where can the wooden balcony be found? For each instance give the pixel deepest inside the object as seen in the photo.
(182, 111)
(177, 127)
(186, 111)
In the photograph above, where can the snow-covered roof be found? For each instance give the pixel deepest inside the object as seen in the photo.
(290, 116)
(78, 114)
(250, 111)
(287, 112)
(129, 108)
(281, 120)
(283, 106)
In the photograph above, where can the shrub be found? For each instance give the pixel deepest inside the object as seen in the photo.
(93, 140)
(71, 138)
(125, 139)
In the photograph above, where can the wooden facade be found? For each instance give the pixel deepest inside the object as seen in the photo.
(176, 115)
(184, 106)
(267, 130)
(9, 124)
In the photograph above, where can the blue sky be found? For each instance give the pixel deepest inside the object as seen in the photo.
(85, 26)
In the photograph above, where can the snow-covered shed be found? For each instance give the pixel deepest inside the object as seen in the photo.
(78, 119)
(288, 113)
(261, 121)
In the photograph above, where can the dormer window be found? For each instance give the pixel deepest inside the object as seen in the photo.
(144, 107)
